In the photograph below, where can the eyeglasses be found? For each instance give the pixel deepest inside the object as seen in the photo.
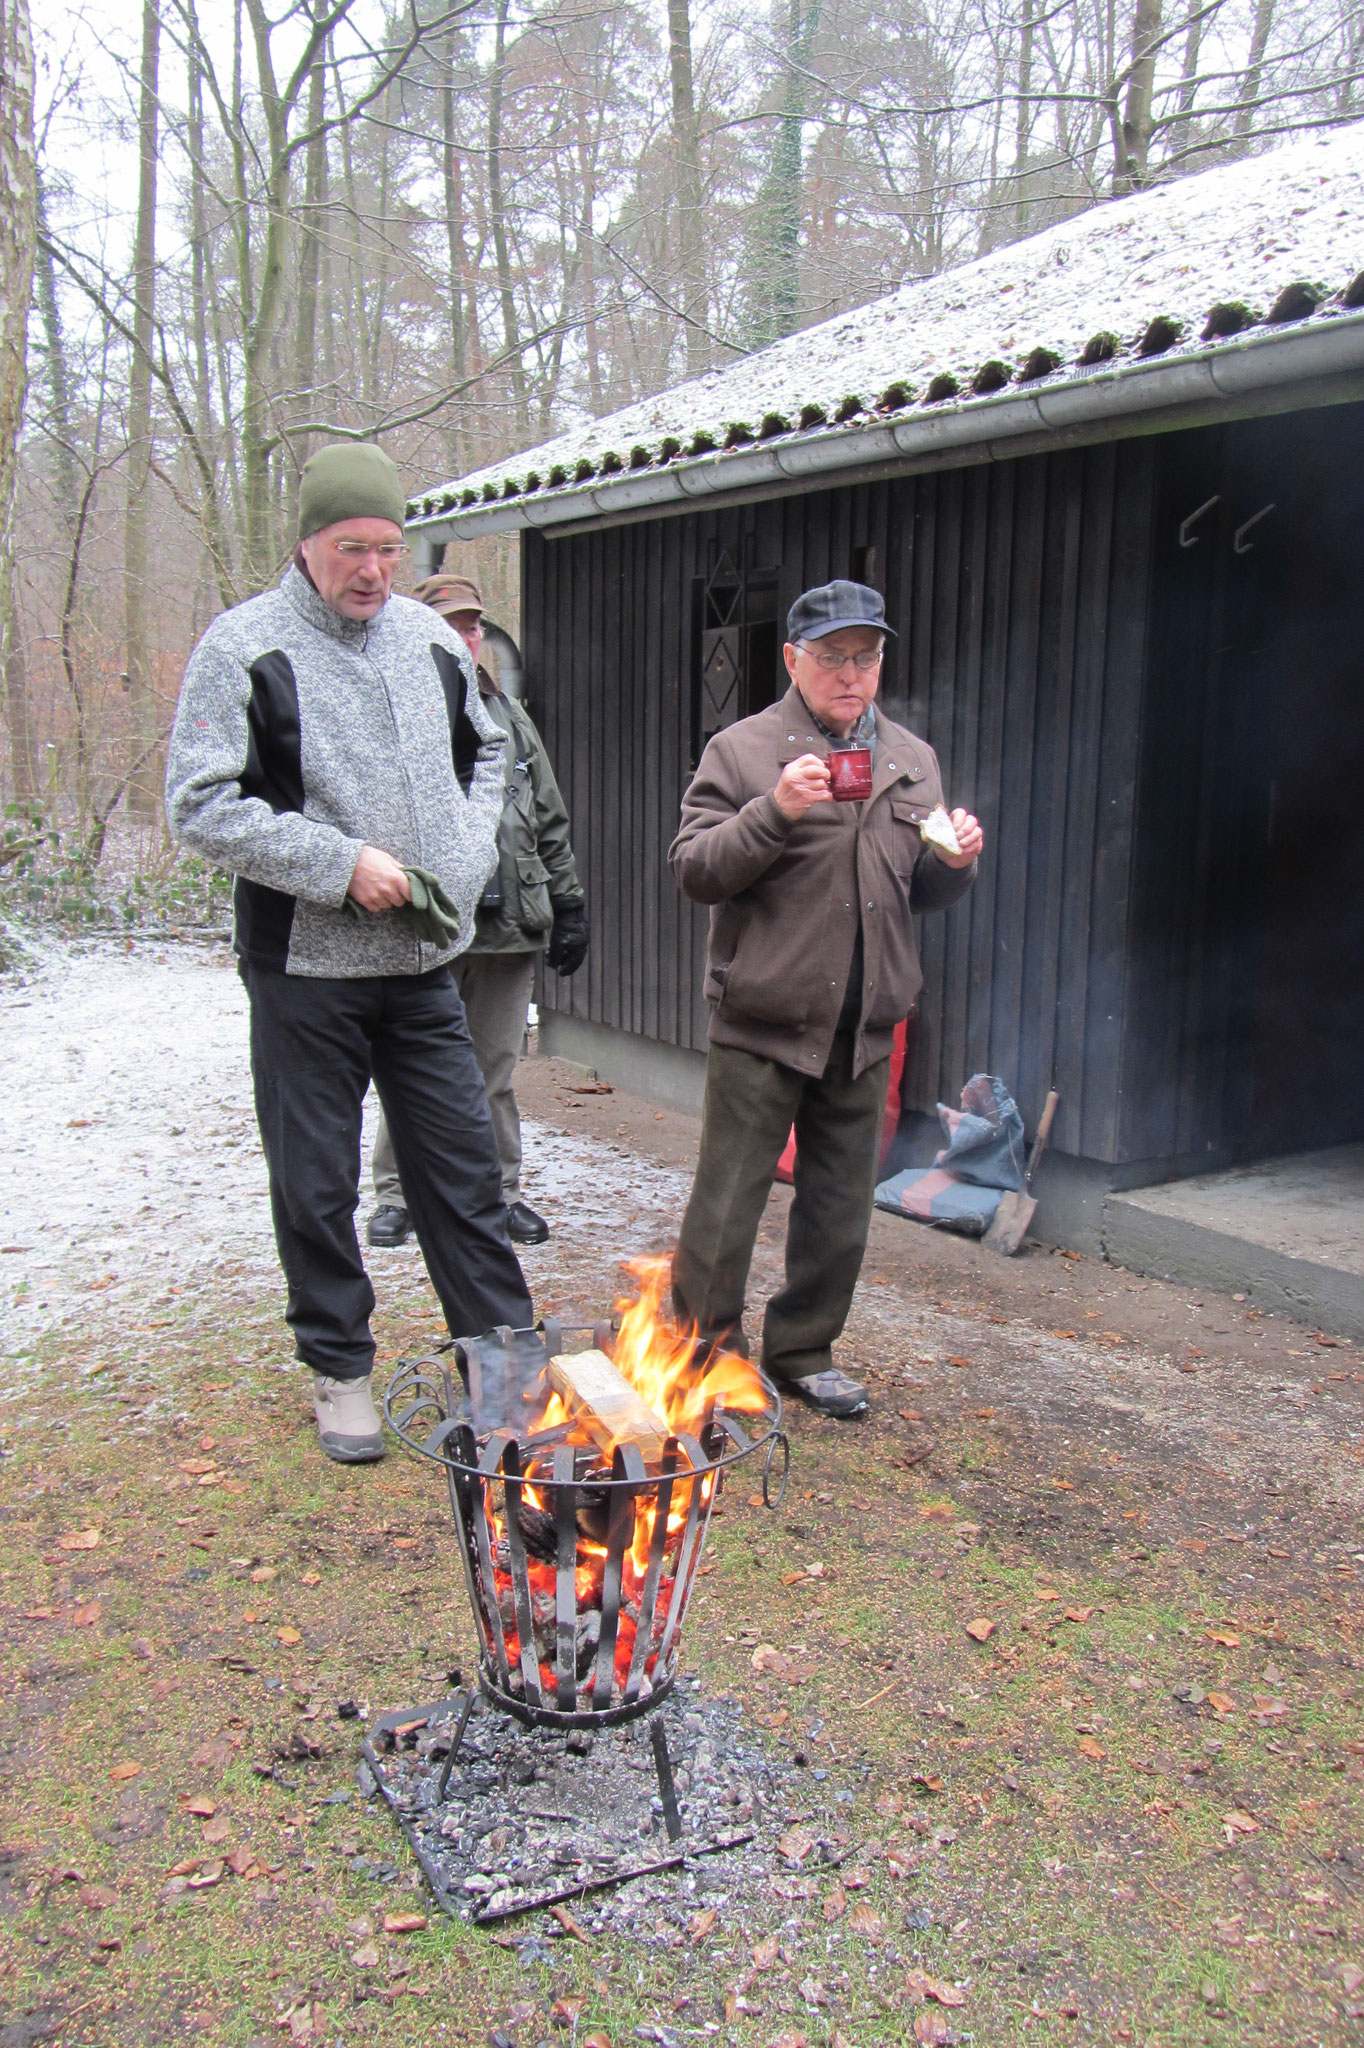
(359, 550)
(864, 663)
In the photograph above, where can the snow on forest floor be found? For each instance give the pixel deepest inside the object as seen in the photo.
(130, 1163)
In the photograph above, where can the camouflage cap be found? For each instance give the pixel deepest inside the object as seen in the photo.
(447, 594)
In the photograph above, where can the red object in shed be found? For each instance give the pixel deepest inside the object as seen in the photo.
(891, 1124)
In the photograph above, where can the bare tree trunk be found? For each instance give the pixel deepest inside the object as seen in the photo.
(142, 788)
(1182, 126)
(454, 235)
(1129, 174)
(690, 224)
(310, 246)
(1023, 129)
(1254, 71)
(18, 222)
(497, 211)
(58, 372)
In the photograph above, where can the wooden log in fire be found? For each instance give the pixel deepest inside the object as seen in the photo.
(600, 1397)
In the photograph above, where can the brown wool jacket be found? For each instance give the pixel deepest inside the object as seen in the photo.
(784, 896)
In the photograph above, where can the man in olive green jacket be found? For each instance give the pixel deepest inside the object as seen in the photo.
(533, 904)
(812, 963)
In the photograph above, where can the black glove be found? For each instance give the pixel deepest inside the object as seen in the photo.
(568, 940)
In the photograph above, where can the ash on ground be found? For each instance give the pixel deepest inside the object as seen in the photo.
(527, 1810)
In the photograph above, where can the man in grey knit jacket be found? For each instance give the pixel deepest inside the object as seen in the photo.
(330, 748)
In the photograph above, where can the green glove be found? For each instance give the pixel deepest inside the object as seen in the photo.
(431, 914)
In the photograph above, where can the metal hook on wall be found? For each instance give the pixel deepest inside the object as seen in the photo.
(1238, 544)
(1186, 539)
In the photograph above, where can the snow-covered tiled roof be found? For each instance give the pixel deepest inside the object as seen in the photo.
(1168, 274)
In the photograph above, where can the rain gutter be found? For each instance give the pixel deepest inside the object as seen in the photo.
(1277, 371)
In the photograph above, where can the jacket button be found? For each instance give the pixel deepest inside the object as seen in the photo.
(890, 764)
(871, 906)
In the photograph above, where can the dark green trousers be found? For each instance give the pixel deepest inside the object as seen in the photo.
(750, 1106)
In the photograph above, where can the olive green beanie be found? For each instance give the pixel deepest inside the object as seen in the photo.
(349, 480)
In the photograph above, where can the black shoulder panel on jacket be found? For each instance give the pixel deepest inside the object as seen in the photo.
(274, 746)
(262, 922)
(464, 740)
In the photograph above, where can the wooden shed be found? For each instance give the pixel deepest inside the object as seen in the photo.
(1111, 483)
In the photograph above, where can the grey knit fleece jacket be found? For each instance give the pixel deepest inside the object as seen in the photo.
(302, 736)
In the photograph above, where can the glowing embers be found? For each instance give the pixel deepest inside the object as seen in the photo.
(583, 1514)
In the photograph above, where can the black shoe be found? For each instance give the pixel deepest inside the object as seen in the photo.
(389, 1225)
(524, 1226)
(832, 1392)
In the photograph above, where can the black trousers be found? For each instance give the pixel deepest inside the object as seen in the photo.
(750, 1106)
(315, 1046)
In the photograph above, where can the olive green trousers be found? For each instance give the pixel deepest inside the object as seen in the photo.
(750, 1106)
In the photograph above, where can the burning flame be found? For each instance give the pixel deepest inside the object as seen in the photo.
(682, 1384)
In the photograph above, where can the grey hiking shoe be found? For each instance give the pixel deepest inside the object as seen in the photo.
(832, 1393)
(348, 1424)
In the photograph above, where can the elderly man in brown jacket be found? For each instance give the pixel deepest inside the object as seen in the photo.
(811, 965)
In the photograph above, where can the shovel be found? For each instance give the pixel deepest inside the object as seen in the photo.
(1009, 1224)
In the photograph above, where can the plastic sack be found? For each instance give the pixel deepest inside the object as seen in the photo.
(984, 1137)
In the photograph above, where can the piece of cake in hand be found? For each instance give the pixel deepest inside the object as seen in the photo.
(938, 830)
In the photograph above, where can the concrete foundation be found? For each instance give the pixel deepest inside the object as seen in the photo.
(1287, 1233)
(665, 1073)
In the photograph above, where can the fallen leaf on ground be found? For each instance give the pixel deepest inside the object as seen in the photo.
(700, 1924)
(930, 1780)
(1064, 1485)
(366, 1957)
(765, 1952)
(597, 2040)
(865, 1919)
(310, 1579)
(1222, 1704)
(126, 1770)
(919, 1984)
(196, 1466)
(1078, 1613)
(215, 1754)
(199, 1804)
(960, 1363)
(795, 1845)
(570, 1925)
(263, 1574)
(97, 1898)
(1227, 1637)
(1238, 1823)
(857, 1878)
(1095, 1751)
(86, 1616)
(404, 1923)
(1351, 1978)
(39, 1614)
(1265, 1709)
(1046, 1593)
(288, 1636)
(210, 1874)
(564, 2011)
(938, 1511)
(931, 2028)
(241, 1860)
(217, 1830)
(836, 1905)
(981, 1629)
(789, 2037)
(79, 1539)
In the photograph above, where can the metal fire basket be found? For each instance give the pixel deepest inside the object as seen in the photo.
(575, 1630)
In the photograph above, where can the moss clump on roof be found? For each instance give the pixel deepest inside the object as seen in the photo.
(944, 386)
(1226, 318)
(991, 376)
(511, 488)
(640, 458)
(895, 398)
(848, 410)
(533, 480)
(815, 416)
(1100, 348)
(490, 493)
(1162, 333)
(669, 448)
(584, 470)
(1039, 363)
(558, 477)
(1353, 294)
(773, 423)
(1295, 302)
(611, 464)
(737, 433)
(702, 443)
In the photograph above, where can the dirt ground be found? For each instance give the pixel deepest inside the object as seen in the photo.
(1066, 1633)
